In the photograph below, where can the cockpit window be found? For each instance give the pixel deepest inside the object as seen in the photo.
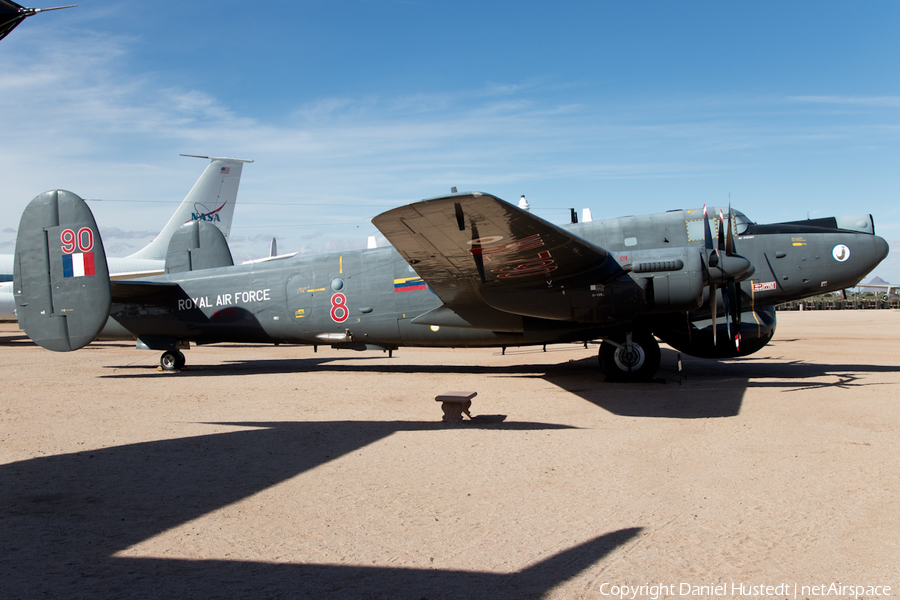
(695, 225)
(741, 222)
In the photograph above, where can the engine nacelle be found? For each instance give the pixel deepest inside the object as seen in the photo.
(695, 336)
(674, 286)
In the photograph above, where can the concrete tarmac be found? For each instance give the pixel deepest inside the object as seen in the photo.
(279, 472)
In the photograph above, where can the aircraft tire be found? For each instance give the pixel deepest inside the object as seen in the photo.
(172, 361)
(640, 364)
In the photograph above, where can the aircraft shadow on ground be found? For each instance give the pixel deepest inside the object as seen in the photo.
(15, 339)
(703, 389)
(65, 516)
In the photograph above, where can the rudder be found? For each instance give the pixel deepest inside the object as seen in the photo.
(60, 276)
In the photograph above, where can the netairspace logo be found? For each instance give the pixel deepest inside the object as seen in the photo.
(743, 590)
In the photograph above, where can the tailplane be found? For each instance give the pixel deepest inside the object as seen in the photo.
(212, 199)
(60, 277)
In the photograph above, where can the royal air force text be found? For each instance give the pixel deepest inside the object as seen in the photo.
(233, 299)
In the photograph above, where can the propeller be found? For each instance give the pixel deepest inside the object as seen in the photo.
(712, 261)
(725, 268)
(731, 294)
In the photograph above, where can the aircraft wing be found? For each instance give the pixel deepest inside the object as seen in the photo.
(474, 250)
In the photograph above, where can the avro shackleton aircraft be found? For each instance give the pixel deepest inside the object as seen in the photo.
(465, 270)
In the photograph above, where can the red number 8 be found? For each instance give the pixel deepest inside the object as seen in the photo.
(339, 312)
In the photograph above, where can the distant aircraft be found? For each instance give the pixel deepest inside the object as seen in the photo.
(11, 14)
(879, 284)
(211, 199)
(465, 270)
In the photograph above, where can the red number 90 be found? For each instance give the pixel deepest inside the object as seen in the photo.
(84, 241)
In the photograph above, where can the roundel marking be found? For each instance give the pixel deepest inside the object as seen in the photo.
(841, 253)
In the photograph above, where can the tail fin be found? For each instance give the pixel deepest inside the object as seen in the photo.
(538, 579)
(60, 277)
(212, 199)
(197, 245)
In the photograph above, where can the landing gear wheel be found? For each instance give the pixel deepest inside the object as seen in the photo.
(172, 361)
(634, 363)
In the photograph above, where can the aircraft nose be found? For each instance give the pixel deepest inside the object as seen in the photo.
(877, 252)
(881, 246)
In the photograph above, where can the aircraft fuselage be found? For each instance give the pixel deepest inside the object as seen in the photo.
(373, 298)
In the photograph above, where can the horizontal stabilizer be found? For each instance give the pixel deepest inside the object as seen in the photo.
(60, 278)
(129, 291)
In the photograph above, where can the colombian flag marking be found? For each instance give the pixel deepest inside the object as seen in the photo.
(409, 284)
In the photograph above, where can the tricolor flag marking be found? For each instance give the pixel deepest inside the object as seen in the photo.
(78, 265)
(409, 284)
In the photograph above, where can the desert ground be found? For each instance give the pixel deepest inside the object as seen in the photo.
(280, 472)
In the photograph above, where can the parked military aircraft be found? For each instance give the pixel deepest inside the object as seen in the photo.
(212, 198)
(889, 293)
(11, 14)
(465, 270)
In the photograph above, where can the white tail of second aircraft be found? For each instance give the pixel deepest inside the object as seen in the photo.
(211, 199)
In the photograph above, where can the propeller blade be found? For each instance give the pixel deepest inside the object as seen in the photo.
(726, 292)
(713, 301)
(721, 233)
(707, 234)
(729, 240)
(737, 316)
(731, 296)
(712, 252)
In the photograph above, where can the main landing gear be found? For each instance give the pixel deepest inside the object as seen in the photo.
(634, 358)
(172, 360)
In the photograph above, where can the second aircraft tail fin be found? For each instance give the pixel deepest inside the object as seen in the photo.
(212, 199)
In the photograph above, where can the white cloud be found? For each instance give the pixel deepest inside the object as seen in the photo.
(880, 101)
(76, 115)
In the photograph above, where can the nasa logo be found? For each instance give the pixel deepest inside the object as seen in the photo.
(201, 213)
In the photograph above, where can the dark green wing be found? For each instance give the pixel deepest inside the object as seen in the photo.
(474, 250)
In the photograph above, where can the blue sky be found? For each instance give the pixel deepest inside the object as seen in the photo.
(351, 108)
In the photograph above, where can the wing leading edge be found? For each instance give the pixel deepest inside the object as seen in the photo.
(478, 253)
